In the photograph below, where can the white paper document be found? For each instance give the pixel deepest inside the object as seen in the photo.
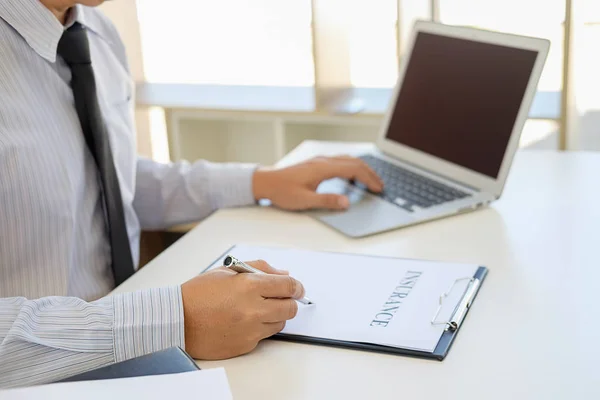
(366, 299)
(206, 384)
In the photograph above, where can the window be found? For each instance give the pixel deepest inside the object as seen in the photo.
(373, 43)
(235, 42)
(587, 78)
(358, 43)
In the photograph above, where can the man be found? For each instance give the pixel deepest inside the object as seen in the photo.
(74, 196)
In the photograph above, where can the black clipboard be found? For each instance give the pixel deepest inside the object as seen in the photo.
(442, 348)
(453, 324)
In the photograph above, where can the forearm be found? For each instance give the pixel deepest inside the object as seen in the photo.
(170, 194)
(52, 338)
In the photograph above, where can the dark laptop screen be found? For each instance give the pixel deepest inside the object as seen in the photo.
(460, 99)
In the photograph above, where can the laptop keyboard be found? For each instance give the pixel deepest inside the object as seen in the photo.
(407, 189)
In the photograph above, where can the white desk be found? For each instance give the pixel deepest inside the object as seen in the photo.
(532, 333)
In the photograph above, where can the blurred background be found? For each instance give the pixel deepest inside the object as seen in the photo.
(248, 80)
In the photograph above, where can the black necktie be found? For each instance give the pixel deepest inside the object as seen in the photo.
(75, 50)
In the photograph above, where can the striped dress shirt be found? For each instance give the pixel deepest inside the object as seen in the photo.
(54, 252)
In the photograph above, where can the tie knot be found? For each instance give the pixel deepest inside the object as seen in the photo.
(74, 47)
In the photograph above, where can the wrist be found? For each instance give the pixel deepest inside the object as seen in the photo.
(188, 331)
(262, 183)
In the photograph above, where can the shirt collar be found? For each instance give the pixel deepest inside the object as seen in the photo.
(40, 28)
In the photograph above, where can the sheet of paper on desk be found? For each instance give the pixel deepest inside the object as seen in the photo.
(386, 301)
(206, 384)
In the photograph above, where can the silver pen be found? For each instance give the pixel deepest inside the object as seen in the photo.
(241, 267)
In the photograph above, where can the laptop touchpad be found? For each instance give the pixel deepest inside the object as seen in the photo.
(367, 214)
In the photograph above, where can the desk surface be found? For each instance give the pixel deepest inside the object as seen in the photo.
(531, 334)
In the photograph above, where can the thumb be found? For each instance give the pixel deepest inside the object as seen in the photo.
(328, 201)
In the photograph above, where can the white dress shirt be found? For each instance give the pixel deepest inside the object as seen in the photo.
(53, 236)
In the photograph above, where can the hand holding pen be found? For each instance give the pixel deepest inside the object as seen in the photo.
(241, 267)
(227, 313)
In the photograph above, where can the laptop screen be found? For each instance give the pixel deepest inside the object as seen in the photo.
(459, 100)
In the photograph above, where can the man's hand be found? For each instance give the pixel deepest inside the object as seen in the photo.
(294, 188)
(227, 314)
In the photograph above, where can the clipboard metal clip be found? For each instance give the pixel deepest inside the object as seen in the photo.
(460, 311)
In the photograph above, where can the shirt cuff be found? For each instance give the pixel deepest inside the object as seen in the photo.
(147, 321)
(229, 185)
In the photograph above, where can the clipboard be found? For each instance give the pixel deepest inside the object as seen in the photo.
(169, 361)
(452, 324)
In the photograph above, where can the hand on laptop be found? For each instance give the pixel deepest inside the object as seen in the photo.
(294, 188)
(227, 314)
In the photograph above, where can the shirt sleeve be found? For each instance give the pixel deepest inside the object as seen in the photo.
(52, 338)
(179, 193)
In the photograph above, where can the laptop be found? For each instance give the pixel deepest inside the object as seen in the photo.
(451, 130)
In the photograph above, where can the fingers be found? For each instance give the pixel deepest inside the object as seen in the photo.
(355, 169)
(271, 329)
(365, 166)
(328, 201)
(279, 286)
(278, 310)
(221, 270)
(265, 267)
